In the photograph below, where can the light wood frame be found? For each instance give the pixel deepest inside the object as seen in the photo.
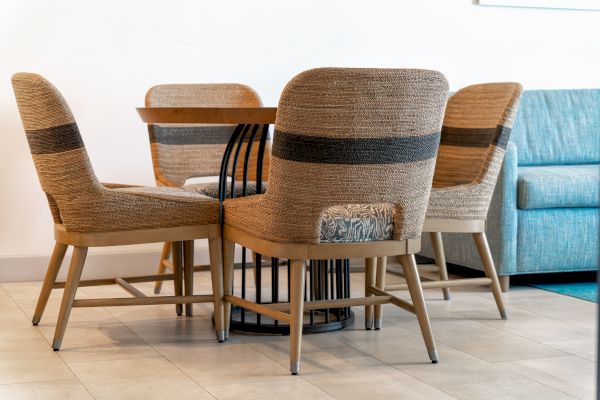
(435, 227)
(293, 311)
(182, 247)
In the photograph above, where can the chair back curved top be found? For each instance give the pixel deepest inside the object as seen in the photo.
(476, 129)
(477, 126)
(58, 152)
(78, 200)
(182, 151)
(348, 136)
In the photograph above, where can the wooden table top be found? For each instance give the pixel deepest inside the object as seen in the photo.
(208, 115)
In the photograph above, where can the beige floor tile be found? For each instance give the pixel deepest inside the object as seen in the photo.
(536, 327)
(455, 367)
(96, 341)
(291, 389)
(143, 378)
(375, 383)
(278, 347)
(585, 348)
(30, 360)
(489, 343)
(27, 290)
(210, 364)
(390, 345)
(572, 375)
(143, 313)
(177, 329)
(70, 389)
(521, 389)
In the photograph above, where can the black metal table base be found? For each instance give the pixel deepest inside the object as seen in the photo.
(326, 280)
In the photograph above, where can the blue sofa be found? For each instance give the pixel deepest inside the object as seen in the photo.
(544, 215)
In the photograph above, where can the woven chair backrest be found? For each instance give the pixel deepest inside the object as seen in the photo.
(477, 126)
(183, 151)
(58, 152)
(355, 136)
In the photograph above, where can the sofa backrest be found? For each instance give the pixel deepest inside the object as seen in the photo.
(556, 127)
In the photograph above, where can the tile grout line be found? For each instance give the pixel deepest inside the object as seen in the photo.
(46, 340)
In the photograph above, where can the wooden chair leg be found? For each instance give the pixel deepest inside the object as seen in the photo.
(504, 283)
(58, 254)
(297, 277)
(440, 260)
(490, 270)
(177, 250)
(228, 255)
(380, 283)
(370, 270)
(73, 277)
(164, 255)
(409, 265)
(215, 249)
(188, 274)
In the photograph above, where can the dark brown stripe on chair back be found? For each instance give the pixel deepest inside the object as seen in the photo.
(477, 125)
(55, 140)
(182, 151)
(475, 137)
(328, 150)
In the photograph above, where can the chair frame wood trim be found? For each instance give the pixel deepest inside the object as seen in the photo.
(181, 236)
(477, 227)
(293, 311)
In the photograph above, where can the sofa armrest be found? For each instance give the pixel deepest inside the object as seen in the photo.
(502, 219)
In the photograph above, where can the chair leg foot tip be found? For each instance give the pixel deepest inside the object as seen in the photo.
(295, 368)
(504, 315)
(377, 324)
(36, 320)
(433, 356)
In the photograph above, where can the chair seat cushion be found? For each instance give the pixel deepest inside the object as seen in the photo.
(558, 186)
(357, 223)
(211, 189)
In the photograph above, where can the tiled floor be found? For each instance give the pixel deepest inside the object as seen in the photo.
(546, 350)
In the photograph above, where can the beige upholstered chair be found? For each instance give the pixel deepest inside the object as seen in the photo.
(184, 151)
(88, 213)
(477, 126)
(351, 169)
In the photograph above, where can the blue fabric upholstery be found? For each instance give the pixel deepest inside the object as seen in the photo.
(555, 226)
(557, 239)
(558, 186)
(555, 127)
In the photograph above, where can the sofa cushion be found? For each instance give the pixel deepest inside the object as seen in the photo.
(357, 223)
(558, 186)
(555, 127)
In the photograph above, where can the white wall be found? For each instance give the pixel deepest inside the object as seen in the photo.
(103, 55)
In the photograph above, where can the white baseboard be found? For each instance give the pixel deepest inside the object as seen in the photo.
(100, 263)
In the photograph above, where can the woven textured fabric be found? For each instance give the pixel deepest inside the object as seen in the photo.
(357, 223)
(502, 226)
(558, 239)
(559, 186)
(348, 136)
(211, 189)
(476, 129)
(556, 127)
(77, 199)
(183, 151)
